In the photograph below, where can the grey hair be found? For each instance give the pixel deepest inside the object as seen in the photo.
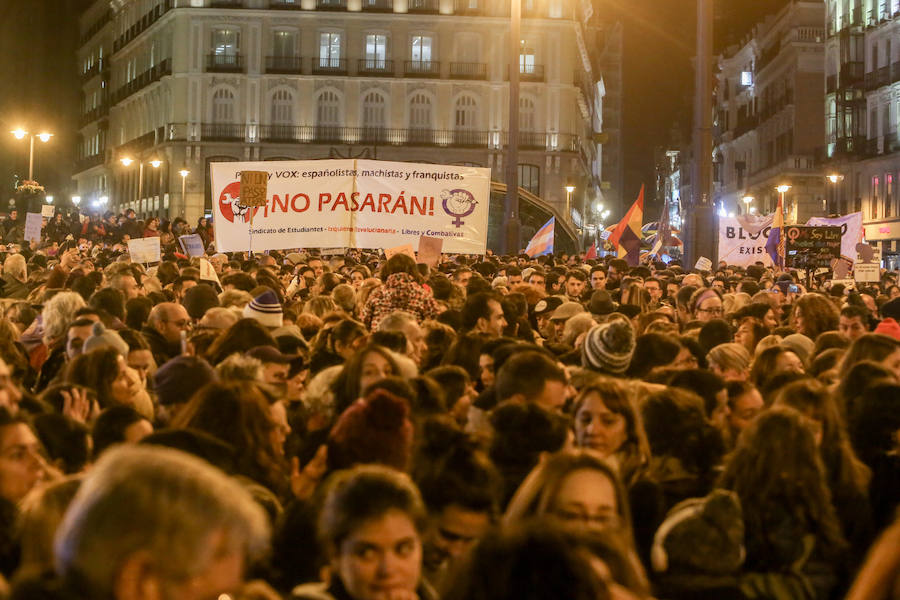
(396, 321)
(240, 367)
(58, 313)
(14, 266)
(344, 297)
(160, 501)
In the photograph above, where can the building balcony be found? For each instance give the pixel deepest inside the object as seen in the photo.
(431, 7)
(878, 78)
(850, 145)
(375, 67)
(225, 63)
(149, 76)
(226, 3)
(384, 6)
(461, 70)
(331, 4)
(223, 132)
(464, 7)
(329, 66)
(531, 72)
(89, 162)
(284, 5)
(852, 73)
(95, 114)
(142, 24)
(421, 68)
(284, 64)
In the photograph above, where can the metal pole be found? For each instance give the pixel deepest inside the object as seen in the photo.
(702, 217)
(31, 159)
(511, 212)
(183, 201)
(140, 183)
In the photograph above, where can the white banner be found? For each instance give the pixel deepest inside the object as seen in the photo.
(144, 250)
(742, 240)
(352, 203)
(192, 244)
(851, 229)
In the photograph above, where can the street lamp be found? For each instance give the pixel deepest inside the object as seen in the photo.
(835, 178)
(184, 173)
(782, 189)
(43, 136)
(569, 189)
(511, 209)
(76, 200)
(49, 199)
(155, 163)
(748, 200)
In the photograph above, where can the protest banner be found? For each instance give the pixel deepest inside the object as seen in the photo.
(192, 244)
(47, 210)
(851, 230)
(742, 240)
(33, 224)
(430, 251)
(703, 264)
(144, 250)
(354, 204)
(406, 249)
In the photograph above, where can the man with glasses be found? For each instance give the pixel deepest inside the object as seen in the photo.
(164, 329)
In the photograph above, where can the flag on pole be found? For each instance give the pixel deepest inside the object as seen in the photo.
(542, 242)
(627, 235)
(775, 243)
(592, 252)
(663, 230)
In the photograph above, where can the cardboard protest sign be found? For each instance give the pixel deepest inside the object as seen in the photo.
(47, 210)
(851, 231)
(144, 250)
(430, 251)
(33, 224)
(703, 264)
(352, 204)
(192, 244)
(811, 247)
(253, 188)
(406, 249)
(868, 264)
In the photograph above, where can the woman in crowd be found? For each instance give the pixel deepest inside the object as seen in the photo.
(607, 422)
(151, 228)
(402, 290)
(366, 366)
(106, 372)
(790, 523)
(744, 404)
(371, 525)
(706, 304)
(749, 332)
(772, 362)
(730, 361)
(814, 314)
(876, 347)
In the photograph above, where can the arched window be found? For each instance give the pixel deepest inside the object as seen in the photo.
(421, 121)
(282, 108)
(328, 116)
(328, 109)
(526, 114)
(374, 116)
(223, 106)
(466, 113)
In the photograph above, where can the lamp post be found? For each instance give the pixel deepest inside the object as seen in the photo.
(569, 189)
(43, 136)
(748, 200)
(184, 173)
(782, 189)
(155, 163)
(511, 210)
(835, 179)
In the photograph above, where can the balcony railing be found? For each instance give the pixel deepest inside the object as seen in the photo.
(142, 24)
(284, 64)
(83, 164)
(149, 76)
(226, 3)
(531, 72)
(375, 66)
(333, 134)
(378, 5)
(331, 4)
(464, 7)
(852, 73)
(422, 68)
(223, 132)
(94, 114)
(329, 66)
(225, 63)
(96, 26)
(878, 78)
(284, 5)
(465, 70)
(424, 6)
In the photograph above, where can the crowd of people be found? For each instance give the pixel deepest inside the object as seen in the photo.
(295, 425)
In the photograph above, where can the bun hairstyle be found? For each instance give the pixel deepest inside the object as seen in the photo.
(375, 429)
(450, 468)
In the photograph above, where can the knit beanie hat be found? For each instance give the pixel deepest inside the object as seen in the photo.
(375, 429)
(266, 309)
(101, 337)
(701, 536)
(199, 299)
(800, 345)
(889, 327)
(608, 348)
(177, 380)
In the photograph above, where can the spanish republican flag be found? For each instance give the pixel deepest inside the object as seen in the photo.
(626, 237)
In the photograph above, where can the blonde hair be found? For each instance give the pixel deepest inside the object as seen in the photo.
(730, 356)
(40, 514)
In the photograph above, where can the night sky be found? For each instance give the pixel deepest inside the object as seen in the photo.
(41, 89)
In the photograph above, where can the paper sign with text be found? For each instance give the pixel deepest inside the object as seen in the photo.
(742, 240)
(253, 188)
(352, 204)
(430, 251)
(868, 267)
(47, 210)
(144, 250)
(406, 249)
(33, 224)
(703, 264)
(192, 244)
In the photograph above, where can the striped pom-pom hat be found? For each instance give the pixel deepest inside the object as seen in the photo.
(266, 309)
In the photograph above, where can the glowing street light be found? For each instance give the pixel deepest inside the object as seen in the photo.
(184, 173)
(76, 200)
(834, 178)
(49, 199)
(127, 161)
(19, 134)
(569, 187)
